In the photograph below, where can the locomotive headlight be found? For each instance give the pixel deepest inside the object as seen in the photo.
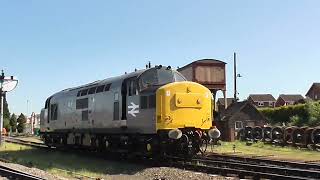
(175, 134)
(214, 133)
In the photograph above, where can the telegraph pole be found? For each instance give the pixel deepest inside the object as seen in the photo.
(235, 76)
(7, 84)
(1, 112)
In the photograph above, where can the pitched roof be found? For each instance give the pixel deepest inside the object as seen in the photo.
(314, 85)
(229, 101)
(261, 97)
(291, 97)
(235, 108)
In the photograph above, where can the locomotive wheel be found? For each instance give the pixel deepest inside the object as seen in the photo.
(203, 146)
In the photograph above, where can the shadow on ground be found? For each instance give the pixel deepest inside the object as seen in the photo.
(76, 162)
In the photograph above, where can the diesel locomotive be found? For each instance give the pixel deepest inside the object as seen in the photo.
(153, 111)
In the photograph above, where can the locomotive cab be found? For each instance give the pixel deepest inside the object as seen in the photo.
(138, 98)
(152, 79)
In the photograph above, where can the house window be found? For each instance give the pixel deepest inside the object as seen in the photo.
(271, 104)
(316, 96)
(238, 125)
(289, 103)
(260, 103)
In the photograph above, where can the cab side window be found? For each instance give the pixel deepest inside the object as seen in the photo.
(54, 112)
(132, 86)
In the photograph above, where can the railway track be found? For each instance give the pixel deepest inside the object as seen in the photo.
(227, 165)
(261, 160)
(14, 174)
(244, 169)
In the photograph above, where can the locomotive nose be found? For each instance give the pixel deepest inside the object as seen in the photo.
(182, 105)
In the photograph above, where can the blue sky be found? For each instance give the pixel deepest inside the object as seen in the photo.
(53, 45)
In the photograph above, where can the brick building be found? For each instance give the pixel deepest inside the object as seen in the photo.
(262, 100)
(314, 92)
(288, 99)
(237, 116)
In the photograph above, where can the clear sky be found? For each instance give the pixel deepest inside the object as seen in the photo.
(53, 45)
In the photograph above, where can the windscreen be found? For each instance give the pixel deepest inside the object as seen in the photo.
(156, 77)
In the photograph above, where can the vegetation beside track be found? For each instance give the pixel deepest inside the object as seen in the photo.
(35, 139)
(267, 150)
(65, 164)
(297, 115)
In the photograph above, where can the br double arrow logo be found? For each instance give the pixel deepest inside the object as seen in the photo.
(133, 109)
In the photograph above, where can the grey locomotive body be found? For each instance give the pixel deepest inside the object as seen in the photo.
(120, 113)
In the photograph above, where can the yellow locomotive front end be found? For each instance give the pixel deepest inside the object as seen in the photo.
(184, 114)
(184, 105)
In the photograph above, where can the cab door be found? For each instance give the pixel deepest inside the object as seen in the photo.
(133, 104)
(130, 99)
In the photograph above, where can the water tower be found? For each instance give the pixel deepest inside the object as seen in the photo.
(208, 72)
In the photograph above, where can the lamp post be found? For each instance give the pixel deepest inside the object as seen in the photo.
(7, 84)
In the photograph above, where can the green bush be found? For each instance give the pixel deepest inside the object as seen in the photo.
(299, 115)
(13, 122)
(21, 123)
(6, 124)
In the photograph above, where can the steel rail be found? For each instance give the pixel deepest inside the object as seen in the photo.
(292, 164)
(241, 166)
(262, 168)
(15, 174)
(225, 171)
(240, 169)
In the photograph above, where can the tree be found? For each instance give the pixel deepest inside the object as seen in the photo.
(13, 122)
(21, 123)
(6, 124)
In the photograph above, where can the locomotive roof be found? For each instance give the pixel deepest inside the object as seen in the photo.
(105, 81)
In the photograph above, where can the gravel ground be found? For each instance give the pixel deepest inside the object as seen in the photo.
(165, 173)
(33, 171)
(157, 173)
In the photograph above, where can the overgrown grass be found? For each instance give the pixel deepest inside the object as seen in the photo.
(35, 139)
(261, 149)
(57, 162)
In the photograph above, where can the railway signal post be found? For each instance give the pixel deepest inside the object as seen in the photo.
(7, 84)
